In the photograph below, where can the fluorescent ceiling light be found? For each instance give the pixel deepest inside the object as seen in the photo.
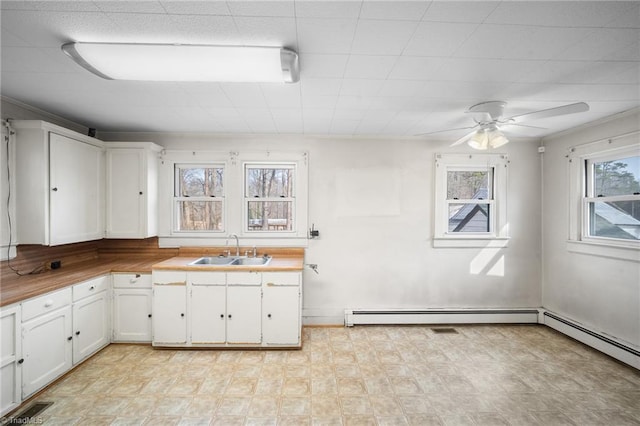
(180, 62)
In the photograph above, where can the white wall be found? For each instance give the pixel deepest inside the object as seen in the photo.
(383, 258)
(599, 292)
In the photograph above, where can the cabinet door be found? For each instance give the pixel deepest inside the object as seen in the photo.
(132, 315)
(90, 325)
(243, 314)
(169, 313)
(76, 177)
(207, 314)
(281, 315)
(47, 349)
(125, 193)
(10, 359)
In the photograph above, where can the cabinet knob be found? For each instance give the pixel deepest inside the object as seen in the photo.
(149, 315)
(92, 288)
(182, 315)
(221, 316)
(229, 315)
(48, 303)
(140, 193)
(21, 360)
(268, 315)
(54, 189)
(69, 338)
(77, 333)
(137, 275)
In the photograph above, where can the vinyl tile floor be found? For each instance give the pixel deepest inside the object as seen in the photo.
(365, 375)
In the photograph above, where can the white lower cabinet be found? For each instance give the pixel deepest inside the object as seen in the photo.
(47, 340)
(132, 312)
(10, 359)
(169, 308)
(91, 326)
(226, 309)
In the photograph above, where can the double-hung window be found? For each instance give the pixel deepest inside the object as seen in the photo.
(199, 198)
(604, 215)
(269, 197)
(470, 199)
(611, 204)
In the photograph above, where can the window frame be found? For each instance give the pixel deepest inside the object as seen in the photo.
(497, 166)
(580, 159)
(176, 199)
(246, 199)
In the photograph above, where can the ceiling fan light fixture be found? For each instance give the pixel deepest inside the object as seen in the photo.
(480, 140)
(182, 62)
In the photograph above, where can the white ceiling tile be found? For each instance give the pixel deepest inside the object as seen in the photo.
(369, 66)
(327, 9)
(402, 10)
(280, 95)
(438, 38)
(349, 114)
(361, 87)
(401, 88)
(459, 11)
(321, 87)
(248, 95)
(207, 94)
(259, 120)
(463, 90)
(322, 65)
(222, 114)
(184, 7)
(353, 102)
(129, 6)
(330, 36)
(262, 8)
(564, 71)
(344, 126)
(415, 68)
(603, 43)
(56, 6)
(627, 18)
(319, 101)
(188, 29)
(483, 70)
(378, 37)
(267, 31)
(288, 120)
(557, 13)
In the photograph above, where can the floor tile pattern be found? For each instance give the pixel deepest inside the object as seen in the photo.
(364, 375)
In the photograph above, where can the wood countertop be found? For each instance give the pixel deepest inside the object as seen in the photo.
(14, 288)
(277, 264)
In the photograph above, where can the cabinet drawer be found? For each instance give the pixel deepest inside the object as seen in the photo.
(281, 278)
(244, 278)
(45, 303)
(207, 278)
(88, 288)
(132, 280)
(169, 278)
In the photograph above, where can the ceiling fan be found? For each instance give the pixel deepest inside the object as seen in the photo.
(489, 122)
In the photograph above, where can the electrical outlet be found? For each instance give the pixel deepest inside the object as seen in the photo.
(56, 264)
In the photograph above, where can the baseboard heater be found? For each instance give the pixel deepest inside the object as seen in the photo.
(439, 316)
(598, 341)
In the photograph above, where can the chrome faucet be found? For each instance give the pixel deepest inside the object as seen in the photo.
(237, 243)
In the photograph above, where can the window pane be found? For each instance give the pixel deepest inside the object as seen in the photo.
(270, 216)
(200, 215)
(619, 219)
(469, 217)
(261, 183)
(465, 185)
(617, 177)
(199, 181)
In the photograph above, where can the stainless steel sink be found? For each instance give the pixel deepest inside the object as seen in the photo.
(232, 261)
(252, 261)
(218, 260)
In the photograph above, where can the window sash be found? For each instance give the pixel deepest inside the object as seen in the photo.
(177, 199)
(491, 220)
(178, 216)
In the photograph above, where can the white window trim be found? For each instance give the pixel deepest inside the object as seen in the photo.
(175, 217)
(579, 240)
(499, 234)
(233, 198)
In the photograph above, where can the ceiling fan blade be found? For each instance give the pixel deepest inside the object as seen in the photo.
(524, 125)
(443, 131)
(464, 138)
(551, 112)
(480, 117)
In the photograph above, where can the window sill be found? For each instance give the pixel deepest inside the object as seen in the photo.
(631, 254)
(474, 242)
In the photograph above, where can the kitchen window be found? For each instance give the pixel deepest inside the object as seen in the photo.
(199, 198)
(470, 199)
(269, 197)
(605, 198)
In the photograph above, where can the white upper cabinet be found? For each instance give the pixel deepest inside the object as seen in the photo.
(59, 185)
(132, 189)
